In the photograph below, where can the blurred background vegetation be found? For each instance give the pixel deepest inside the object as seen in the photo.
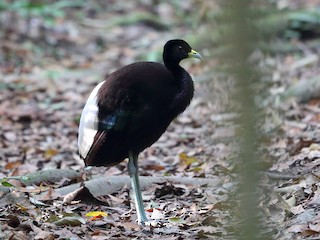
(38, 25)
(38, 33)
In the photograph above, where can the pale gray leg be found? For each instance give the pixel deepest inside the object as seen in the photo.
(134, 177)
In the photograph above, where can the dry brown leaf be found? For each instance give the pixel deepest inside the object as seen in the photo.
(315, 227)
(13, 165)
(49, 153)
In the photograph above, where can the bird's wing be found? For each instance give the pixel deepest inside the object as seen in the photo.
(94, 129)
(99, 138)
(88, 126)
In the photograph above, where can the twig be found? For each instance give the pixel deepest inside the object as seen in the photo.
(100, 186)
(281, 176)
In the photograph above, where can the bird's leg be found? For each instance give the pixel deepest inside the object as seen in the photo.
(134, 177)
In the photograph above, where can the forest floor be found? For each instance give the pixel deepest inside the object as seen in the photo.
(47, 72)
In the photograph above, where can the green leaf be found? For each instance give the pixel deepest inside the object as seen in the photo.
(176, 220)
(5, 183)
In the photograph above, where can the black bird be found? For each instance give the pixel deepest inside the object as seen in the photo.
(132, 108)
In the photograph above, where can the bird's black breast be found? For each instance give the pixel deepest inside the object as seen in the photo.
(137, 90)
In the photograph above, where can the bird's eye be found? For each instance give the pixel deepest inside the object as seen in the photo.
(179, 47)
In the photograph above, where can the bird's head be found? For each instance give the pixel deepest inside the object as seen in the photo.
(176, 50)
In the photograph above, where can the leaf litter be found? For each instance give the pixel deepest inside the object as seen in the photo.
(40, 103)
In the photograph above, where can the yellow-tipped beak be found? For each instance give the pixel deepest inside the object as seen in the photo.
(194, 54)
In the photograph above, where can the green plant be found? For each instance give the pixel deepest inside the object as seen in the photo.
(47, 10)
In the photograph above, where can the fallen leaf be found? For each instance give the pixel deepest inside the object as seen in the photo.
(177, 220)
(157, 214)
(115, 199)
(49, 153)
(12, 165)
(72, 195)
(297, 228)
(10, 136)
(70, 220)
(209, 221)
(308, 233)
(4, 182)
(13, 221)
(291, 201)
(315, 227)
(297, 209)
(186, 160)
(96, 213)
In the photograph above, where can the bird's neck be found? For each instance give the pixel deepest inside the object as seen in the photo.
(177, 72)
(185, 88)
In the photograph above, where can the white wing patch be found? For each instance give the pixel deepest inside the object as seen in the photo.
(88, 123)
